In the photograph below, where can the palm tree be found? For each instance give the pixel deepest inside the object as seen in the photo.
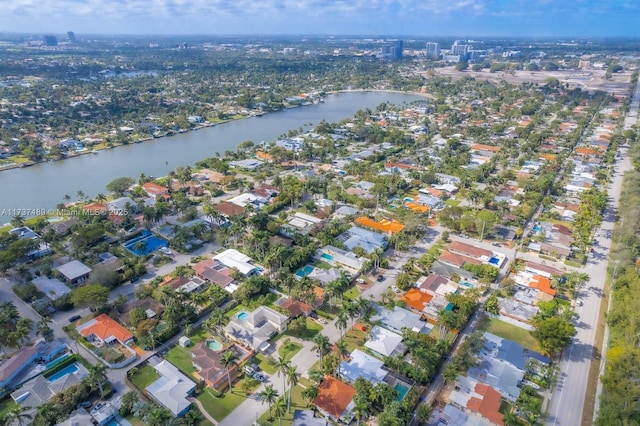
(341, 322)
(23, 328)
(43, 329)
(282, 366)
(19, 415)
(361, 410)
(322, 345)
(279, 409)
(192, 418)
(97, 376)
(268, 395)
(17, 221)
(216, 321)
(310, 393)
(292, 377)
(228, 360)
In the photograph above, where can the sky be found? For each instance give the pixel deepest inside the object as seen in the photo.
(538, 18)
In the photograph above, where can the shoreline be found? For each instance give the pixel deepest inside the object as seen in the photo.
(29, 163)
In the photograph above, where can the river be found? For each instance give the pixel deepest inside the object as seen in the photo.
(43, 186)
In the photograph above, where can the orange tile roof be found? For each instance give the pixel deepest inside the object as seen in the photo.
(468, 249)
(417, 207)
(433, 191)
(483, 147)
(334, 396)
(264, 156)
(385, 225)
(105, 327)
(95, 208)
(154, 188)
(488, 407)
(416, 299)
(543, 284)
(456, 259)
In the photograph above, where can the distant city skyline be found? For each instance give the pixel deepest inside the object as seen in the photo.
(536, 18)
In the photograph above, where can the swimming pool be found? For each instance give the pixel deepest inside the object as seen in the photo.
(69, 369)
(303, 272)
(402, 390)
(243, 316)
(214, 345)
(466, 284)
(326, 256)
(144, 244)
(494, 261)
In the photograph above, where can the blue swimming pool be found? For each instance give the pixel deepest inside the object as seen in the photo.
(214, 345)
(326, 256)
(243, 316)
(494, 261)
(402, 390)
(303, 272)
(69, 369)
(466, 284)
(145, 243)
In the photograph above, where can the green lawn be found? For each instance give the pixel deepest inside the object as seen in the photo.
(313, 328)
(236, 309)
(181, 358)
(452, 202)
(322, 265)
(7, 405)
(144, 377)
(354, 339)
(262, 362)
(352, 293)
(511, 332)
(289, 349)
(297, 403)
(220, 407)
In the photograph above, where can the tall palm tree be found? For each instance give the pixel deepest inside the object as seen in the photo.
(279, 409)
(361, 410)
(292, 377)
(19, 415)
(97, 376)
(268, 395)
(23, 328)
(341, 322)
(101, 198)
(228, 360)
(216, 321)
(17, 221)
(42, 327)
(322, 345)
(282, 366)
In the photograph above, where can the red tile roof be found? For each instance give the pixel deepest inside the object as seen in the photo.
(296, 307)
(488, 407)
(154, 188)
(334, 396)
(456, 259)
(468, 250)
(543, 284)
(229, 209)
(104, 326)
(416, 299)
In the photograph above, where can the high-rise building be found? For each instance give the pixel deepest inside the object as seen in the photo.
(50, 40)
(392, 51)
(72, 36)
(432, 50)
(460, 48)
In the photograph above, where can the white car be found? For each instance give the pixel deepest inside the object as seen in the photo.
(395, 289)
(166, 251)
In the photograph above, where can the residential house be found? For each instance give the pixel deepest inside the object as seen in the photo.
(155, 191)
(105, 330)
(149, 305)
(12, 367)
(104, 413)
(306, 418)
(416, 299)
(295, 307)
(39, 391)
(345, 211)
(338, 257)
(26, 233)
(398, 319)
(229, 209)
(304, 223)
(369, 241)
(335, 400)
(386, 226)
(254, 329)
(122, 206)
(210, 367)
(172, 389)
(384, 342)
(51, 287)
(246, 164)
(232, 258)
(474, 396)
(325, 275)
(214, 272)
(194, 285)
(517, 313)
(361, 364)
(74, 272)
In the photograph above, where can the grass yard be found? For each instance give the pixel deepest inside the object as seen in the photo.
(322, 265)
(511, 332)
(264, 364)
(289, 349)
(297, 403)
(220, 407)
(181, 358)
(352, 293)
(452, 202)
(312, 329)
(144, 377)
(354, 339)
(7, 405)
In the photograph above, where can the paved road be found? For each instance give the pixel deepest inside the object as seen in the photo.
(568, 398)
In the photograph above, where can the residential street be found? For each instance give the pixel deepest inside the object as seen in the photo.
(568, 398)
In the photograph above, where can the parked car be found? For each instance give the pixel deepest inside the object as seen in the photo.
(395, 289)
(74, 318)
(380, 278)
(260, 377)
(496, 245)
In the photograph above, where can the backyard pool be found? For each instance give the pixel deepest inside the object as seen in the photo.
(243, 316)
(303, 272)
(214, 345)
(467, 284)
(69, 369)
(144, 244)
(494, 261)
(402, 390)
(327, 256)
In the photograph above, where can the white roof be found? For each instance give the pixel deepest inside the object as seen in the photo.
(73, 269)
(362, 365)
(51, 287)
(383, 341)
(232, 258)
(172, 388)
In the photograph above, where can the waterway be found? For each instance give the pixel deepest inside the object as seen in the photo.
(44, 185)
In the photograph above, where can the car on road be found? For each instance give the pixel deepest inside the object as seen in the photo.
(380, 278)
(165, 250)
(395, 289)
(579, 303)
(496, 245)
(260, 377)
(74, 318)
